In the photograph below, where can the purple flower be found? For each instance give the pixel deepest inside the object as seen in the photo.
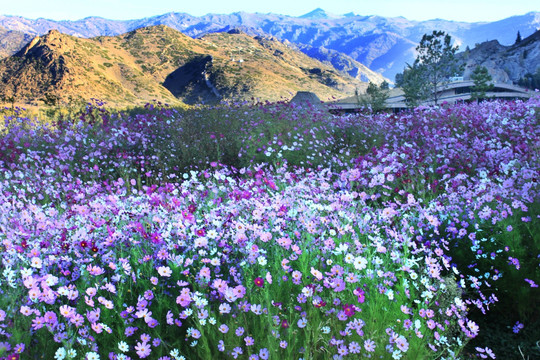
(369, 345)
(143, 349)
(249, 341)
(130, 330)
(264, 354)
(402, 343)
(517, 327)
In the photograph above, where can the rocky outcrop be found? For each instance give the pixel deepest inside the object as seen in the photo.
(507, 64)
(37, 69)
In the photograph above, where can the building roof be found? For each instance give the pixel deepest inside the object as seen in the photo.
(451, 93)
(306, 97)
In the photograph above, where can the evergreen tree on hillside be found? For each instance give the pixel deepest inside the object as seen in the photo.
(482, 83)
(518, 38)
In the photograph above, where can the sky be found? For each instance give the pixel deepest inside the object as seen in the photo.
(460, 10)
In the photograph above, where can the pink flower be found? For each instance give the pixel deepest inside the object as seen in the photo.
(318, 275)
(361, 295)
(143, 349)
(402, 343)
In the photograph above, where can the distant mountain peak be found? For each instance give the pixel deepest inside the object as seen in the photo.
(318, 13)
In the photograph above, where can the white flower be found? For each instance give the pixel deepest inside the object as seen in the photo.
(360, 263)
(307, 291)
(174, 353)
(52, 280)
(92, 356)
(26, 272)
(60, 354)
(262, 260)
(123, 346)
(36, 262)
(164, 271)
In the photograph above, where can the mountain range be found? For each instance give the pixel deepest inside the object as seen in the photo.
(158, 62)
(382, 44)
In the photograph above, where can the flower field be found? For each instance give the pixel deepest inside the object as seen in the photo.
(271, 231)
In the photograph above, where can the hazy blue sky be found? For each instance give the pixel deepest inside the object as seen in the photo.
(463, 10)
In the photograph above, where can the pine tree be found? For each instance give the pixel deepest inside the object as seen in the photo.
(436, 58)
(518, 38)
(375, 97)
(411, 81)
(482, 83)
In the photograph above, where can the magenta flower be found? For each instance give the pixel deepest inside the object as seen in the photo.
(349, 309)
(259, 281)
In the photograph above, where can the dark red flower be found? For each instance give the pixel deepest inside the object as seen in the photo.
(259, 282)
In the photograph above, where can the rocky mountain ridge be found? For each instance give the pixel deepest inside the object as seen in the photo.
(161, 63)
(10, 41)
(507, 64)
(382, 44)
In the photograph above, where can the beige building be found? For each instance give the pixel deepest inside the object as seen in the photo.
(456, 91)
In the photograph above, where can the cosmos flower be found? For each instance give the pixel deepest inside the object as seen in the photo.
(259, 281)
